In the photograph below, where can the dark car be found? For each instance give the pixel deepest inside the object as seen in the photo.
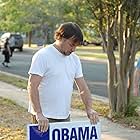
(17, 42)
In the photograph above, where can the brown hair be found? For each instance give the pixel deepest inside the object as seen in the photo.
(68, 30)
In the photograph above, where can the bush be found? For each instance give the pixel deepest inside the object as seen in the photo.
(131, 109)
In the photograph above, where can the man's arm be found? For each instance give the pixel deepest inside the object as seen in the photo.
(136, 81)
(33, 84)
(87, 99)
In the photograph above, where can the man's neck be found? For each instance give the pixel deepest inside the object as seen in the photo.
(57, 46)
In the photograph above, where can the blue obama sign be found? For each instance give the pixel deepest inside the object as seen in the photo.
(34, 134)
(82, 130)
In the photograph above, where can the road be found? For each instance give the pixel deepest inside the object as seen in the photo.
(95, 73)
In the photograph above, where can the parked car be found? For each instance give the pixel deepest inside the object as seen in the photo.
(96, 43)
(3, 38)
(17, 38)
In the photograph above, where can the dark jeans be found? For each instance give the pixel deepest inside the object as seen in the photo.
(51, 120)
(6, 56)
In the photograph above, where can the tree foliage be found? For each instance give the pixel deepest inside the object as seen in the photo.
(27, 15)
(21, 15)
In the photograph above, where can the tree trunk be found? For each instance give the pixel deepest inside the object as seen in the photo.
(122, 77)
(112, 71)
(29, 38)
(104, 41)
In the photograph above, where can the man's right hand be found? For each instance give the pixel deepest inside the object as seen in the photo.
(43, 122)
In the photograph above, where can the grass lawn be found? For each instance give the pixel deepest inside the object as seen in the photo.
(13, 121)
(95, 52)
(20, 83)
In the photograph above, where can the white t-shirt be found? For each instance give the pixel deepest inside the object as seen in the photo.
(58, 72)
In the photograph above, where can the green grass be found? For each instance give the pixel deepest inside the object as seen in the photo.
(90, 49)
(96, 52)
(7, 101)
(21, 83)
(134, 103)
(92, 55)
(93, 52)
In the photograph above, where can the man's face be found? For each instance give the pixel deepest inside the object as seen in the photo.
(68, 46)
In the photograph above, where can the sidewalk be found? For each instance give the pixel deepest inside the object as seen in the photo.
(110, 131)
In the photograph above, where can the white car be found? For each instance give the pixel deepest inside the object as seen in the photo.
(17, 38)
(3, 39)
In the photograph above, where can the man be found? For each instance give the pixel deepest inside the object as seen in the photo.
(137, 78)
(51, 77)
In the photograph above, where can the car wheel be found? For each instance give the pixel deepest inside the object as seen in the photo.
(20, 49)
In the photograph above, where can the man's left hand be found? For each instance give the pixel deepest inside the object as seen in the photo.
(93, 116)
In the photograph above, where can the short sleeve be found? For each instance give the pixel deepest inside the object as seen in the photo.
(38, 64)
